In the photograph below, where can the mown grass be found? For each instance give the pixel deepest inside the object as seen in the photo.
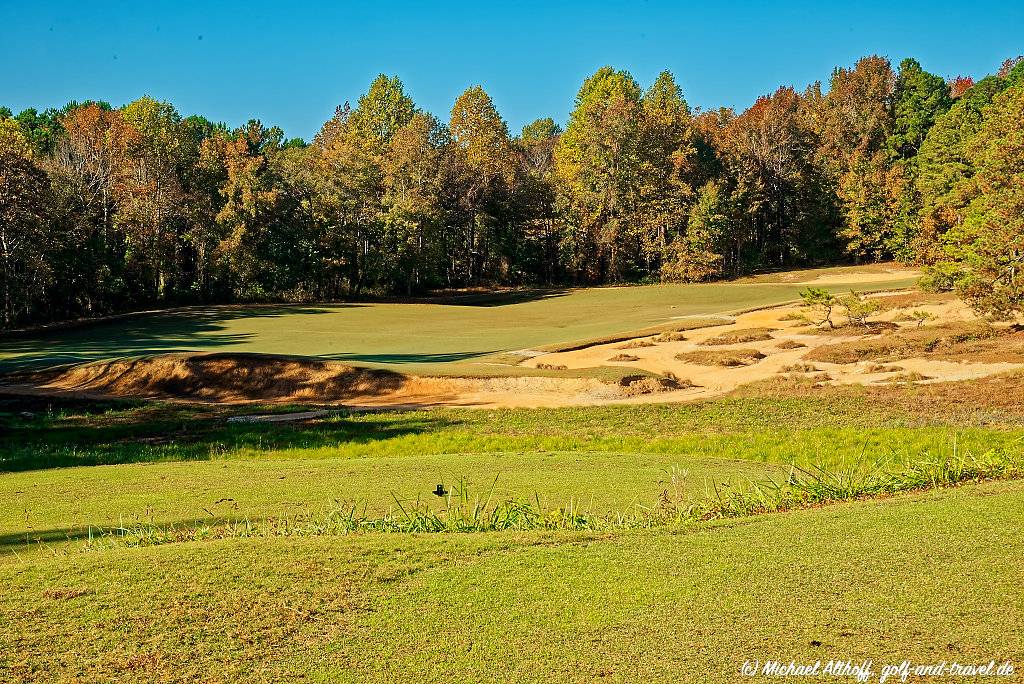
(180, 464)
(420, 338)
(225, 551)
(927, 578)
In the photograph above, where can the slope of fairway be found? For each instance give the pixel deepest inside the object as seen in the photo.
(420, 338)
(926, 578)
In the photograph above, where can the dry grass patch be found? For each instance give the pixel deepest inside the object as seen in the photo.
(912, 376)
(975, 341)
(790, 344)
(624, 357)
(741, 336)
(670, 337)
(552, 366)
(636, 385)
(912, 299)
(800, 368)
(981, 401)
(882, 368)
(729, 358)
(636, 344)
(852, 329)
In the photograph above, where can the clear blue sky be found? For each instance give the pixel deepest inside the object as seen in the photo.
(291, 63)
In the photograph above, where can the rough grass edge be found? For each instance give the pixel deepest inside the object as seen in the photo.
(803, 488)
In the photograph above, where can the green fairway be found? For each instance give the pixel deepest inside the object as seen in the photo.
(417, 338)
(927, 578)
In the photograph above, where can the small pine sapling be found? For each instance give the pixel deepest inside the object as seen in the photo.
(821, 302)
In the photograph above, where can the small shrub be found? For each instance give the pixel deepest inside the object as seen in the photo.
(858, 309)
(820, 302)
(920, 317)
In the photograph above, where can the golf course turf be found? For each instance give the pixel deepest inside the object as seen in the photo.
(927, 578)
(421, 338)
(168, 541)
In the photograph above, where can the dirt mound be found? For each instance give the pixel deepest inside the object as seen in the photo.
(236, 378)
(224, 377)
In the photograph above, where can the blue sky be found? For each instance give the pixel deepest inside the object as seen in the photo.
(291, 63)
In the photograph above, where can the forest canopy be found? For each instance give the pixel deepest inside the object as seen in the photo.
(105, 209)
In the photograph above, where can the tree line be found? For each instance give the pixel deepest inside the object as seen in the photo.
(105, 209)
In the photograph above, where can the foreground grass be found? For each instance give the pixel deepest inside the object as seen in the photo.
(72, 465)
(54, 508)
(927, 578)
(428, 338)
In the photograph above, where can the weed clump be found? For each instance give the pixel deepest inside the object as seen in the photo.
(624, 358)
(790, 344)
(741, 336)
(552, 366)
(910, 377)
(800, 368)
(728, 358)
(636, 385)
(636, 344)
(670, 337)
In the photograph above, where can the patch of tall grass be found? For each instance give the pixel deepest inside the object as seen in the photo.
(463, 513)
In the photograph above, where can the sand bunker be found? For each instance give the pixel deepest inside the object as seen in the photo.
(770, 343)
(682, 366)
(234, 378)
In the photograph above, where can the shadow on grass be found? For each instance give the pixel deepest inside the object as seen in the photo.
(27, 539)
(36, 435)
(197, 328)
(398, 359)
(498, 298)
